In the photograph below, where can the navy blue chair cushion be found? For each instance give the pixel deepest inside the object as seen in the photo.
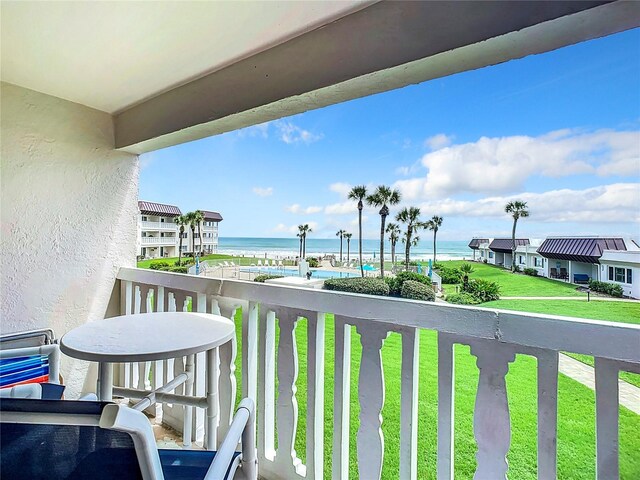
(187, 464)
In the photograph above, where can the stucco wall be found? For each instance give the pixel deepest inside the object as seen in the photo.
(68, 215)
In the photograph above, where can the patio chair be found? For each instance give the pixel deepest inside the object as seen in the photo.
(553, 272)
(45, 439)
(563, 274)
(29, 357)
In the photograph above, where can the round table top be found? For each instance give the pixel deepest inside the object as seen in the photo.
(147, 336)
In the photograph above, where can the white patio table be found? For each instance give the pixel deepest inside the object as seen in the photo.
(149, 337)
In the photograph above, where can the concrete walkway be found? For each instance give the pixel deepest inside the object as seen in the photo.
(583, 298)
(629, 395)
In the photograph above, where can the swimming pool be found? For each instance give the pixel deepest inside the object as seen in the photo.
(293, 272)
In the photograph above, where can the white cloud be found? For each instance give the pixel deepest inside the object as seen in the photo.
(503, 164)
(290, 133)
(295, 208)
(342, 208)
(293, 229)
(341, 188)
(260, 130)
(603, 204)
(438, 141)
(263, 192)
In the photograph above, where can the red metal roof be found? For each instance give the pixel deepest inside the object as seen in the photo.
(587, 250)
(505, 245)
(211, 216)
(151, 208)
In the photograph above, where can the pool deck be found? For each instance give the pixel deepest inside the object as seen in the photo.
(240, 274)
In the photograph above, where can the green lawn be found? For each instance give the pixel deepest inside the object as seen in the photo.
(624, 312)
(576, 440)
(516, 284)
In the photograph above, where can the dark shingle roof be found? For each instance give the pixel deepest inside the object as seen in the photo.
(151, 208)
(211, 216)
(505, 245)
(587, 250)
(475, 242)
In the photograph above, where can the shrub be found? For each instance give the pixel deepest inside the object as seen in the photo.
(450, 275)
(612, 289)
(158, 265)
(313, 262)
(395, 283)
(417, 291)
(483, 290)
(175, 269)
(462, 299)
(516, 268)
(531, 272)
(368, 286)
(264, 277)
(184, 263)
(484, 261)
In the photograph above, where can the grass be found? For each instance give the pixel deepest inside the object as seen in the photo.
(517, 285)
(623, 312)
(576, 425)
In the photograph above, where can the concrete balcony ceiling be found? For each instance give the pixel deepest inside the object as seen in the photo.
(172, 72)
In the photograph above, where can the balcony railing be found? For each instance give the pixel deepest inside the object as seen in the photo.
(158, 240)
(158, 226)
(495, 337)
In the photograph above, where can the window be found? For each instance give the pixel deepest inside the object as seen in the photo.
(537, 262)
(183, 235)
(629, 277)
(162, 220)
(490, 254)
(520, 260)
(144, 219)
(620, 275)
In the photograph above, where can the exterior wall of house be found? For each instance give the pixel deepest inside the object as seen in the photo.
(69, 206)
(622, 268)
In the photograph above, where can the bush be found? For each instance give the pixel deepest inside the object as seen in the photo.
(158, 265)
(368, 286)
(516, 268)
(417, 291)
(482, 290)
(612, 289)
(462, 299)
(531, 272)
(395, 283)
(450, 275)
(264, 277)
(184, 263)
(175, 269)
(313, 262)
(484, 261)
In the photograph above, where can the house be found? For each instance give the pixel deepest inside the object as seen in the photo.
(88, 86)
(623, 268)
(474, 245)
(528, 257)
(159, 236)
(502, 249)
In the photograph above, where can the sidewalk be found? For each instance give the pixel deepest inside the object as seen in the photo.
(584, 299)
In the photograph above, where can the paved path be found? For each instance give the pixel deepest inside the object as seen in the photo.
(583, 298)
(629, 394)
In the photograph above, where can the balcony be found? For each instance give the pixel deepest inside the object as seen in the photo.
(157, 226)
(269, 365)
(158, 240)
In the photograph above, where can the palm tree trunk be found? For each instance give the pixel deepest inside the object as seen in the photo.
(180, 251)
(304, 245)
(407, 249)
(200, 235)
(193, 241)
(513, 246)
(383, 219)
(360, 236)
(435, 232)
(348, 246)
(393, 253)
(341, 248)
(300, 254)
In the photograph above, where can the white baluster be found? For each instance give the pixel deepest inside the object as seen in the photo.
(491, 422)
(126, 297)
(446, 400)
(199, 382)
(250, 351)
(266, 382)
(315, 396)
(341, 399)
(370, 439)
(136, 299)
(607, 411)
(227, 389)
(409, 405)
(547, 414)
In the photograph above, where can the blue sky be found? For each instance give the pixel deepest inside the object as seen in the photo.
(559, 130)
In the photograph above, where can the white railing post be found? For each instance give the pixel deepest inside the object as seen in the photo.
(409, 404)
(341, 399)
(446, 395)
(547, 414)
(315, 396)
(266, 384)
(607, 462)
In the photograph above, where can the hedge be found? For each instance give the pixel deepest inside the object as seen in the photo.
(175, 269)
(395, 283)
(368, 286)
(417, 291)
(532, 272)
(612, 289)
(450, 276)
(264, 277)
(482, 290)
(158, 265)
(462, 299)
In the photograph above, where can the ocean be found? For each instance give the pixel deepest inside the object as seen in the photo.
(289, 247)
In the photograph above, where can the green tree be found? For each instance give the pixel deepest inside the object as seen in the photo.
(191, 221)
(359, 193)
(348, 237)
(181, 221)
(394, 235)
(305, 230)
(466, 269)
(518, 209)
(382, 197)
(411, 218)
(340, 233)
(198, 217)
(434, 224)
(300, 235)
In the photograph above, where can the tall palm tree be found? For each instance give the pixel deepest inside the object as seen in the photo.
(411, 217)
(191, 221)
(305, 230)
(181, 221)
(434, 224)
(348, 237)
(359, 193)
(394, 235)
(382, 197)
(517, 209)
(340, 233)
(198, 217)
(300, 235)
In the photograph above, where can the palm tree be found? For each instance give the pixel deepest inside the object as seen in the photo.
(517, 209)
(340, 233)
(348, 237)
(305, 229)
(181, 221)
(411, 217)
(198, 217)
(467, 269)
(300, 235)
(359, 193)
(434, 224)
(383, 197)
(191, 221)
(394, 235)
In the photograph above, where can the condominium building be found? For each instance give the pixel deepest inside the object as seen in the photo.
(159, 235)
